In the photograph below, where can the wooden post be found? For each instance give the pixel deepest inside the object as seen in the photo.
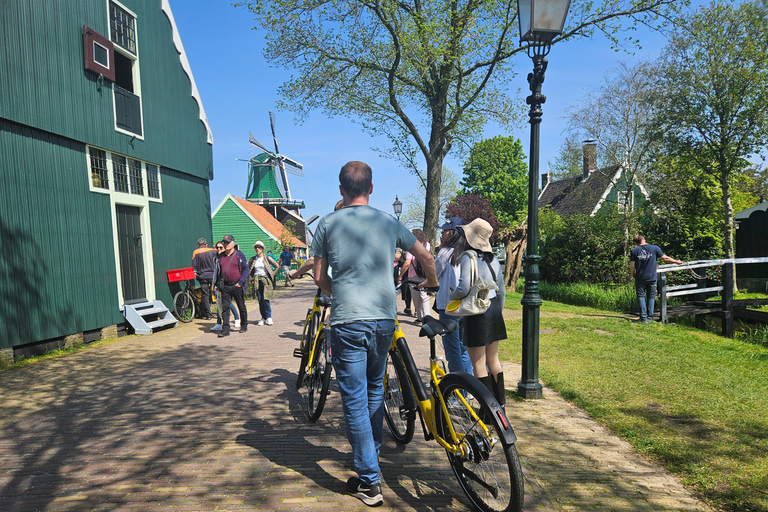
(728, 300)
(661, 284)
(699, 321)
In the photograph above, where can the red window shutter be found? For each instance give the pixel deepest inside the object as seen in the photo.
(99, 53)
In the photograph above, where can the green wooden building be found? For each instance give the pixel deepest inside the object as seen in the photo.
(105, 163)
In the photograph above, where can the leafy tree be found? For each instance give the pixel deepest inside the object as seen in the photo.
(580, 248)
(755, 183)
(470, 207)
(413, 204)
(676, 217)
(424, 74)
(569, 161)
(712, 85)
(620, 118)
(496, 170)
(287, 233)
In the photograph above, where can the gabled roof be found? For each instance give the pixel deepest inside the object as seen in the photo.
(262, 218)
(579, 195)
(166, 7)
(744, 214)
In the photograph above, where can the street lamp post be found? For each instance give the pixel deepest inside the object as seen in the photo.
(398, 206)
(540, 22)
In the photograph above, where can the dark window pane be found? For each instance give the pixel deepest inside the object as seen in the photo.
(136, 181)
(122, 28)
(153, 181)
(99, 174)
(100, 54)
(120, 171)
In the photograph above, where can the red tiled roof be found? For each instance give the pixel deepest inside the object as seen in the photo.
(267, 221)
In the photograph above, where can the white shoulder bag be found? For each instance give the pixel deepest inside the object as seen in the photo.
(476, 302)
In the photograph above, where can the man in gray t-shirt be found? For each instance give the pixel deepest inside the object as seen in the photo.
(358, 243)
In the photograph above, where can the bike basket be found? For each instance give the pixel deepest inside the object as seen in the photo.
(181, 274)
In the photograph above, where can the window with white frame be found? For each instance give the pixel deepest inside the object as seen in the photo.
(112, 172)
(127, 90)
(153, 181)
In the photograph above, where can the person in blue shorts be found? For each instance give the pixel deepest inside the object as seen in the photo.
(358, 242)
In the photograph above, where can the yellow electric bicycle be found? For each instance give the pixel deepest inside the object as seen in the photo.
(461, 415)
(315, 354)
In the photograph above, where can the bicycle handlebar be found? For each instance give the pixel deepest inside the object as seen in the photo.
(414, 282)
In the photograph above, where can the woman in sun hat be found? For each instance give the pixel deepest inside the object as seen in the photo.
(482, 332)
(263, 269)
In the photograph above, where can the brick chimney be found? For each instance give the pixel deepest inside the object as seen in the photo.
(590, 157)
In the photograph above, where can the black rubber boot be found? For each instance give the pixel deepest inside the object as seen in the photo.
(498, 390)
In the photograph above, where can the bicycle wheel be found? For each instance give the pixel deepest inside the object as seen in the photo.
(311, 324)
(489, 472)
(183, 306)
(319, 379)
(397, 394)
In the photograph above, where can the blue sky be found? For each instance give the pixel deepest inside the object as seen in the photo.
(238, 87)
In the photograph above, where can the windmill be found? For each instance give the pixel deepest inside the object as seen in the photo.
(268, 183)
(266, 165)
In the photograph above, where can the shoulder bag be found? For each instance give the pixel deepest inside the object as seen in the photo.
(476, 302)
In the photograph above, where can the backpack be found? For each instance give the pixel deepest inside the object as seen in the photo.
(420, 272)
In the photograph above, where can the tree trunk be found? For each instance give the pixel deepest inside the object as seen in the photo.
(432, 206)
(728, 219)
(516, 244)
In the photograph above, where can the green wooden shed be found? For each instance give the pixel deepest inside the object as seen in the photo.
(105, 163)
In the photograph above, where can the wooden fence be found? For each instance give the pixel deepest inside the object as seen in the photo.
(700, 306)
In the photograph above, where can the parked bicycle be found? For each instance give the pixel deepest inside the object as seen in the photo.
(315, 353)
(461, 415)
(188, 302)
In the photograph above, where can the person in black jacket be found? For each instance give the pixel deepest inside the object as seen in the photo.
(204, 261)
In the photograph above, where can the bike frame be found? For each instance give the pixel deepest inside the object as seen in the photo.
(316, 308)
(426, 402)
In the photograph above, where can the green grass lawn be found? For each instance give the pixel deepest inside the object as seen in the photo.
(692, 400)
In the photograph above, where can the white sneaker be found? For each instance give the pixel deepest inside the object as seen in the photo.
(216, 327)
(269, 321)
(237, 324)
(260, 322)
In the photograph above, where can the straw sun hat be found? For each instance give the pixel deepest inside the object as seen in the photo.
(478, 233)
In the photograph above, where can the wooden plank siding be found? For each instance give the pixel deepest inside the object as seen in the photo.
(230, 220)
(176, 227)
(59, 270)
(44, 83)
(57, 273)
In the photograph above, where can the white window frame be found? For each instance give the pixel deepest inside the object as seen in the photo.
(134, 69)
(111, 178)
(139, 201)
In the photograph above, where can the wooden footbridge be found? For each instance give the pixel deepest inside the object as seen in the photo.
(727, 307)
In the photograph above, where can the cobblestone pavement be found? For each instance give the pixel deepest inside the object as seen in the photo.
(184, 421)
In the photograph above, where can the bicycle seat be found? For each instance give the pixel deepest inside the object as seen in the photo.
(324, 301)
(432, 327)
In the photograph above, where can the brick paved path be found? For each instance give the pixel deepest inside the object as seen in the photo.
(185, 421)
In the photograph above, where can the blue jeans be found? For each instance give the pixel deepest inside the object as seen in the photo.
(359, 351)
(265, 308)
(646, 295)
(455, 351)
